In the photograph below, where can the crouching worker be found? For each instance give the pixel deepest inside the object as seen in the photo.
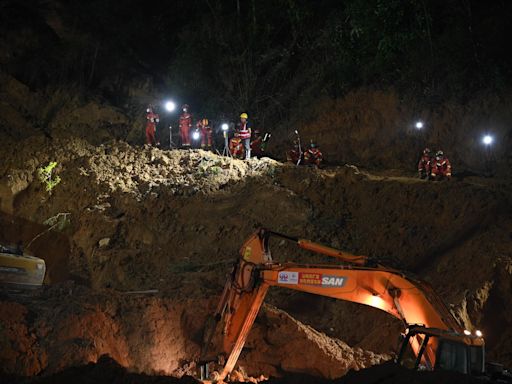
(441, 167)
(313, 155)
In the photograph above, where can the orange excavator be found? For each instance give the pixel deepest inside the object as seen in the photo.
(432, 334)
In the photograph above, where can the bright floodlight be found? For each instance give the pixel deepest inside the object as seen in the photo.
(195, 135)
(170, 106)
(225, 127)
(478, 333)
(487, 139)
(467, 333)
(419, 124)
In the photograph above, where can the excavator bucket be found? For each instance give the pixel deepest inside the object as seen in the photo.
(19, 270)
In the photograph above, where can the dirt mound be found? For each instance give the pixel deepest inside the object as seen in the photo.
(58, 112)
(173, 221)
(277, 337)
(105, 371)
(127, 169)
(68, 325)
(119, 167)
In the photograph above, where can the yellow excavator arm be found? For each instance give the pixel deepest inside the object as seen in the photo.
(357, 279)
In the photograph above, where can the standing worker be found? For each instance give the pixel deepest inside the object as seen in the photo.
(425, 164)
(257, 144)
(151, 120)
(185, 125)
(244, 131)
(203, 126)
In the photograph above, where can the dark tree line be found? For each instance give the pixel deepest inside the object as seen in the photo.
(272, 58)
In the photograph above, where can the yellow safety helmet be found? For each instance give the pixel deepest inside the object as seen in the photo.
(205, 121)
(244, 116)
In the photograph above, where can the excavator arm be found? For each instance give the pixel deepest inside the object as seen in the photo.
(412, 301)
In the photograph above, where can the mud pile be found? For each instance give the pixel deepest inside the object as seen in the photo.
(173, 222)
(69, 325)
(105, 371)
(58, 112)
(283, 336)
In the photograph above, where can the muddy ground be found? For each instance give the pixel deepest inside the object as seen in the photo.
(138, 240)
(171, 222)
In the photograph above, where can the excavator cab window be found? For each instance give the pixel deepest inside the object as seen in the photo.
(452, 356)
(477, 360)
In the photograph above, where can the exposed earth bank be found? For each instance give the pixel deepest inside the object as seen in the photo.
(139, 219)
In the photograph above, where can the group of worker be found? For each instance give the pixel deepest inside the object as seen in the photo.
(434, 167)
(243, 143)
(203, 129)
(311, 156)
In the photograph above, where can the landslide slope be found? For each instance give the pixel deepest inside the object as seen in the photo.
(144, 218)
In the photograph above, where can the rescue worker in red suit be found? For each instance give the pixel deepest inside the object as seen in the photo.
(424, 164)
(151, 120)
(185, 125)
(257, 144)
(441, 167)
(313, 155)
(293, 155)
(244, 132)
(236, 147)
(206, 133)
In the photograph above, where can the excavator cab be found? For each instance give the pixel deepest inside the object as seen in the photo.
(442, 350)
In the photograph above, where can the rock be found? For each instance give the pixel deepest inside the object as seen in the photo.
(105, 242)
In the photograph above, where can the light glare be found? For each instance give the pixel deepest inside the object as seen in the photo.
(487, 139)
(419, 125)
(170, 106)
(225, 127)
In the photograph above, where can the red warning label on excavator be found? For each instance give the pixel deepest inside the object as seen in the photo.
(308, 278)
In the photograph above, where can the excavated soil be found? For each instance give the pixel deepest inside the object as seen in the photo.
(170, 223)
